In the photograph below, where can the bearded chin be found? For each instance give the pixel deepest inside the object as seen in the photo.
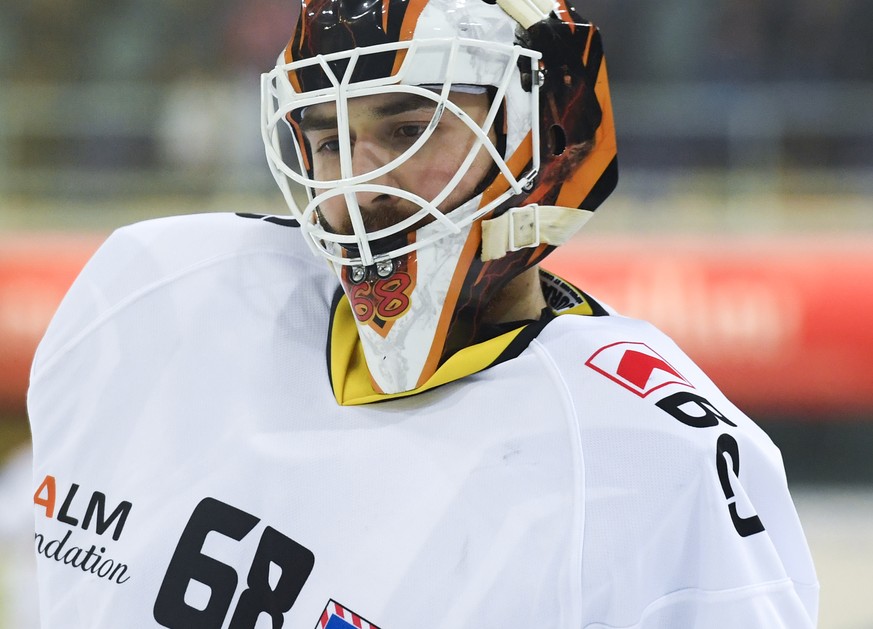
(375, 219)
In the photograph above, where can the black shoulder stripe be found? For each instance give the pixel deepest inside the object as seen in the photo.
(521, 341)
(532, 330)
(596, 309)
(276, 220)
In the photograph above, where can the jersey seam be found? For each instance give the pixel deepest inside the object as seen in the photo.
(745, 591)
(579, 511)
(46, 365)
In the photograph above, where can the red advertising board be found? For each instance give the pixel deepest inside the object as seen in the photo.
(782, 325)
(35, 273)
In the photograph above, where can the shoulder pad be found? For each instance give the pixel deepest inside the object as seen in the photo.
(141, 257)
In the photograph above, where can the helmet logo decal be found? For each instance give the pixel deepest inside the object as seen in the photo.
(379, 301)
(385, 299)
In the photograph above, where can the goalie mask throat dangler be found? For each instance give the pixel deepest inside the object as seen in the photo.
(418, 287)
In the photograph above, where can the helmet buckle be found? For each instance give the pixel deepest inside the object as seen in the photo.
(524, 227)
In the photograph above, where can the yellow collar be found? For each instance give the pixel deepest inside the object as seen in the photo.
(350, 377)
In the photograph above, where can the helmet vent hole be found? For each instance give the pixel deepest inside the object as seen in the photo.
(557, 139)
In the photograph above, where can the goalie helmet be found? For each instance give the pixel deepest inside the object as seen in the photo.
(547, 137)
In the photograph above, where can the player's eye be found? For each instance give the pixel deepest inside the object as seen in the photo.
(328, 145)
(409, 131)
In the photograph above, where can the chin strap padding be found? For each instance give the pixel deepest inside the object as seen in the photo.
(530, 226)
(527, 12)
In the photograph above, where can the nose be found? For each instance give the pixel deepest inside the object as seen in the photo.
(368, 156)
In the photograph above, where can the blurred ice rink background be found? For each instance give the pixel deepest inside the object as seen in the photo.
(736, 119)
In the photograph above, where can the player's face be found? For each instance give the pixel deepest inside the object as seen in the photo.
(382, 127)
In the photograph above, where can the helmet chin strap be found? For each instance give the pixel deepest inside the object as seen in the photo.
(527, 12)
(530, 226)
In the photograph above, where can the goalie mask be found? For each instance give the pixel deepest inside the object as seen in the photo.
(441, 148)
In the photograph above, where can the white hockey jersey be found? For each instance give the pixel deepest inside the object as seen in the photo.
(193, 468)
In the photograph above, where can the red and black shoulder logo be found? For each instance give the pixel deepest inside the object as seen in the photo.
(636, 367)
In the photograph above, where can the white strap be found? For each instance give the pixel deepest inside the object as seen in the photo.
(527, 12)
(530, 226)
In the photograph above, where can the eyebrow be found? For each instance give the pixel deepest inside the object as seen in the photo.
(315, 121)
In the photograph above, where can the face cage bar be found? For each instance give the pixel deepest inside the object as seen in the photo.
(276, 87)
